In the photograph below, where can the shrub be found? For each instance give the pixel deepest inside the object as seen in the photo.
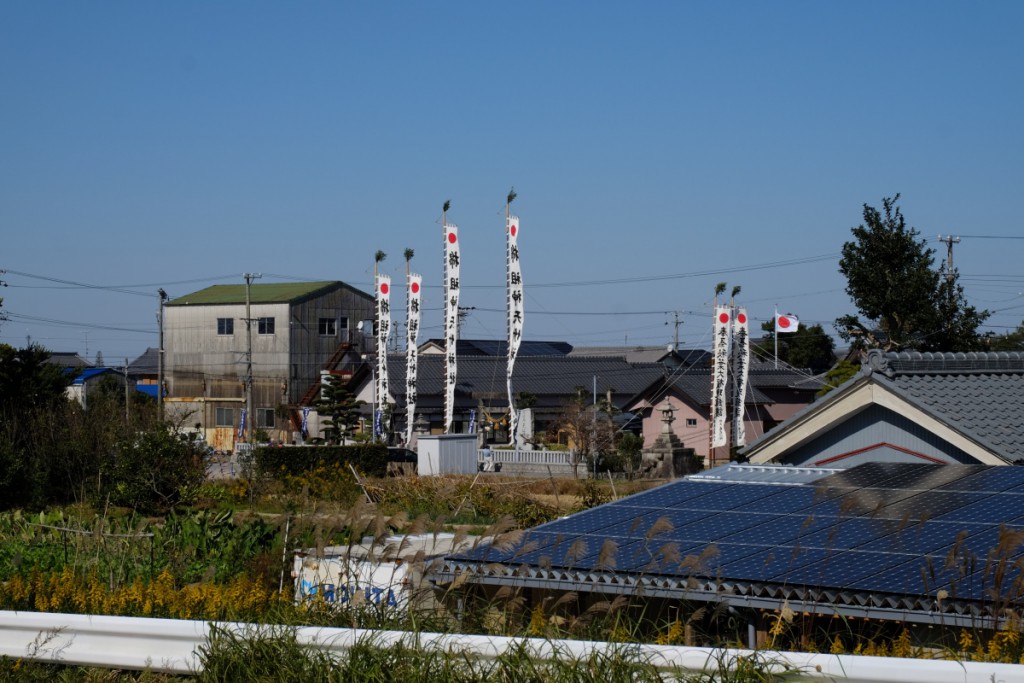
(150, 471)
(369, 459)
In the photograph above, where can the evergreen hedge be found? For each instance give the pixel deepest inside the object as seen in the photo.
(368, 459)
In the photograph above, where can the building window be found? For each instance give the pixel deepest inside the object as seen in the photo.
(225, 326)
(265, 417)
(265, 326)
(343, 324)
(225, 417)
(691, 422)
(328, 327)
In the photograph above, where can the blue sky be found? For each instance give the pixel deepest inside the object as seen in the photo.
(182, 144)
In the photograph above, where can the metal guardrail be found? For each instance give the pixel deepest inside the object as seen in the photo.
(171, 646)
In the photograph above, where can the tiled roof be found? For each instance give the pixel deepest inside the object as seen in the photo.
(146, 364)
(499, 347)
(539, 375)
(695, 383)
(980, 395)
(68, 359)
(646, 354)
(269, 293)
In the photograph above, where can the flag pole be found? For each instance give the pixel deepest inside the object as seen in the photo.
(513, 420)
(444, 307)
(732, 319)
(719, 288)
(775, 328)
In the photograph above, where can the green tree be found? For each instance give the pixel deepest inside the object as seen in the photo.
(341, 407)
(154, 471)
(842, 371)
(628, 452)
(903, 302)
(34, 419)
(808, 347)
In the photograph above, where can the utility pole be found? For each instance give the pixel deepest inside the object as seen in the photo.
(249, 277)
(127, 401)
(160, 357)
(676, 322)
(950, 241)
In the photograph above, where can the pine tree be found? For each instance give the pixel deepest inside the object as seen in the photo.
(341, 407)
(904, 303)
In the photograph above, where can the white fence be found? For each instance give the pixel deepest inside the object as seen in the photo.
(170, 645)
(554, 458)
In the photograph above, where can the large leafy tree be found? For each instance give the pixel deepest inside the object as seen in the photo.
(34, 422)
(808, 347)
(902, 300)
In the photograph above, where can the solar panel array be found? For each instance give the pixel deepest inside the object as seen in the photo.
(879, 528)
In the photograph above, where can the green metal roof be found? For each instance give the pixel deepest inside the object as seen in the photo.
(270, 293)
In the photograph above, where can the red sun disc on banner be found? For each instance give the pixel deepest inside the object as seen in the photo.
(723, 318)
(452, 238)
(784, 322)
(513, 230)
(415, 288)
(383, 288)
(742, 318)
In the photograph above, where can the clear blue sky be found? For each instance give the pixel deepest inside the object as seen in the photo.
(182, 144)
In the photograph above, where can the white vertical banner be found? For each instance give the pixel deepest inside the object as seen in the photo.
(515, 310)
(451, 320)
(740, 370)
(412, 326)
(720, 354)
(383, 334)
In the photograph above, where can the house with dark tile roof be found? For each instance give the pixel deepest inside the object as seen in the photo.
(944, 408)
(496, 347)
(144, 371)
(481, 393)
(773, 395)
(669, 357)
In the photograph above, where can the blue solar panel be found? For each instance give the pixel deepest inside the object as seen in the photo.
(987, 509)
(994, 479)
(849, 533)
(842, 568)
(881, 528)
(923, 575)
(919, 538)
(667, 495)
(736, 497)
(789, 499)
(930, 504)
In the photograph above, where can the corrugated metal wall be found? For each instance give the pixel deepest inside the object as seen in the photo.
(203, 365)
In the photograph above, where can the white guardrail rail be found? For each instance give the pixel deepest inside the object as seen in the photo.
(171, 645)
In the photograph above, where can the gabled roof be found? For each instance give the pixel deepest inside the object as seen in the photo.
(647, 354)
(538, 375)
(974, 401)
(68, 359)
(499, 347)
(695, 384)
(872, 541)
(262, 293)
(146, 364)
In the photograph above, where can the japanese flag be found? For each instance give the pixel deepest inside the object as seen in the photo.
(786, 323)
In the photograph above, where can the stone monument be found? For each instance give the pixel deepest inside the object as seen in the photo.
(668, 457)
